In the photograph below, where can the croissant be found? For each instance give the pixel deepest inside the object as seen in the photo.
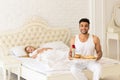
(89, 57)
(84, 57)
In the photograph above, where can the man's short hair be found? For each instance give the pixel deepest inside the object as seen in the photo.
(84, 20)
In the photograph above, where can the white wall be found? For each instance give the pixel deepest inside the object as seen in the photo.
(62, 13)
(99, 27)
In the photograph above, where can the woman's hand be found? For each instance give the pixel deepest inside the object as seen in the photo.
(34, 56)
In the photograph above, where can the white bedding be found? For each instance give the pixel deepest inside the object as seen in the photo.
(105, 62)
(56, 62)
(61, 68)
(44, 68)
(49, 62)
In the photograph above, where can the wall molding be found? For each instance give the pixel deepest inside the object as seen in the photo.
(92, 14)
(104, 27)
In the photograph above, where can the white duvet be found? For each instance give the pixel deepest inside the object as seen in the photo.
(49, 62)
(55, 61)
(53, 57)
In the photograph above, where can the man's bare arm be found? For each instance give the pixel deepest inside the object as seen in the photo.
(98, 47)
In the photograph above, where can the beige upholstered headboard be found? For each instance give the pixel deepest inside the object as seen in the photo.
(34, 32)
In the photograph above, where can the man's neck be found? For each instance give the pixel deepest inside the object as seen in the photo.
(83, 37)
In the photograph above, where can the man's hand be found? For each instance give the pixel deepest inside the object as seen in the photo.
(98, 57)
(70, 54)
(70, 58)
(77, 56)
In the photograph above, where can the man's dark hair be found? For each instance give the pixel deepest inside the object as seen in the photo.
(84, 20)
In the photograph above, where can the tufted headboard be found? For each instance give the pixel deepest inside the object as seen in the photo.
(34, 32)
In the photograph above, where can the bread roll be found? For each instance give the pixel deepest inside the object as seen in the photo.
(89, 57)
(84, 57)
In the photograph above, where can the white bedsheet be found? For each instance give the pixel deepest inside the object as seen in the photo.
(105, 62)
(61, 67)
(44, 68)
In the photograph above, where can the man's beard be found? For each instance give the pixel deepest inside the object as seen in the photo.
(84, 32)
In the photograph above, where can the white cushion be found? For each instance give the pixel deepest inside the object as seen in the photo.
(18, 51)
(58, 45)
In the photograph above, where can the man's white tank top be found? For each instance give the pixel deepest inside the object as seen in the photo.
(85, 48)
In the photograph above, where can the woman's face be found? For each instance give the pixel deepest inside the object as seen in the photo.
(30, 49)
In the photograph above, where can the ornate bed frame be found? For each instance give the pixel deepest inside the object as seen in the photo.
(34, 32)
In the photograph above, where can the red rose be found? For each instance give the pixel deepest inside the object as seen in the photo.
(73, 46)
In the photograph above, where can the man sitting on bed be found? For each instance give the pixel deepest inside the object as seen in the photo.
(86, 45)
(33, 52)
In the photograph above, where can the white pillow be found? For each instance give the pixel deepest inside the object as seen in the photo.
(58, 45)
(18, 51)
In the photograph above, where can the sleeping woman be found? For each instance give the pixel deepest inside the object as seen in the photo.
(48, 55)
(51, 56)
(33, 52)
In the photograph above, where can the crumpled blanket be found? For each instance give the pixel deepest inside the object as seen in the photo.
(55, 59)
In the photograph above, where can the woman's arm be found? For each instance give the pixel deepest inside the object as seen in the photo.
(39, 51)
(43, 49)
